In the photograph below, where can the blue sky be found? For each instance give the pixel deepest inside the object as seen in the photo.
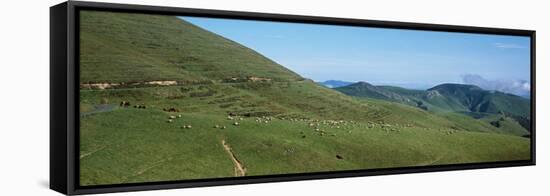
(407, 58)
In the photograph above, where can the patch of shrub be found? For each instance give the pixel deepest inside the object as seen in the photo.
(496, 123)
(202, 94)
(104, 101)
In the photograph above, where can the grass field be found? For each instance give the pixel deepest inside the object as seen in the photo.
(236, 113)
(125, 145)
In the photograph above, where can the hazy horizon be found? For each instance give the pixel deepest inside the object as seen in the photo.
(406, 58)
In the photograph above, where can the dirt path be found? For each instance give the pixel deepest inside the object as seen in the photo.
(431, 162)
(105, 85)
(159, 83)
(93, 151)
(240, 170)
(153, 165)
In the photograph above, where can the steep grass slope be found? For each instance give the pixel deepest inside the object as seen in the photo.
(119, 47)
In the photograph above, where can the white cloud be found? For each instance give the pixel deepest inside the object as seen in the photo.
(517, 87)
(509, 46)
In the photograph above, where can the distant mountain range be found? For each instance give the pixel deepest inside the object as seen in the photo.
(335, 83)
(461, 98)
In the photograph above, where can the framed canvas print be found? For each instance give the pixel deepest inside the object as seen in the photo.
(146, 97)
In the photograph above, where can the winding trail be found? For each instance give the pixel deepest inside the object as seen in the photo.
(240, 170)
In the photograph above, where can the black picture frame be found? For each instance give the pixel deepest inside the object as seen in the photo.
(64, 99)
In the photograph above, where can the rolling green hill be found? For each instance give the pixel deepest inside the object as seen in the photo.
(335, 83)
(203, 106)
(447, 97)
(469, 98)
(388, 93)
(464, 99)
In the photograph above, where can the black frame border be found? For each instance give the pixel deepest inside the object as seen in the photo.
(64, 130)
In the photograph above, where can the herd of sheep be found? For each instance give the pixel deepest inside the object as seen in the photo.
(319, 127)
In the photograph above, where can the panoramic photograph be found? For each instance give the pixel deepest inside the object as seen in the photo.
(169, 98)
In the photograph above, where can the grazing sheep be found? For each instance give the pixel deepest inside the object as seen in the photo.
(169, 121)
(289, 150)
(172, 117)
(216, 126)
(124, 104)
(236, 123)
(223, 127)
(140, 106)
(170, 110)
(189, 126)
(179, 116)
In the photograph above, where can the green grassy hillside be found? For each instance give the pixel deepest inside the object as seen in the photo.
(143, 147)
(460, 99)
(474, 99)
(445, 97)
(387, 93)
(135, 47)
(231, 112)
